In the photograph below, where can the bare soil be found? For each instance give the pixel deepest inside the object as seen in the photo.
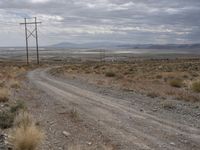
(108, 119)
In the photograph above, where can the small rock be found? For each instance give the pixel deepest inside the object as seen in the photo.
(65, 133)
(155, 109)
(89, 143)
(172, 143)
(184, 141)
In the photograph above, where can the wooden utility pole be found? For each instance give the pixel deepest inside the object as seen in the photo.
(26, 35)
(33, 33)
(36, 33)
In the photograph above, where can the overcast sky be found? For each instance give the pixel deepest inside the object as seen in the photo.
(80, 21)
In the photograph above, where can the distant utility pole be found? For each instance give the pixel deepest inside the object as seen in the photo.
(102, 55)
(33, 33)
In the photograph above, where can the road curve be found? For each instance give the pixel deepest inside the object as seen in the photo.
(133, 129)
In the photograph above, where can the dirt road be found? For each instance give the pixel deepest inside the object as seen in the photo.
(133, 129)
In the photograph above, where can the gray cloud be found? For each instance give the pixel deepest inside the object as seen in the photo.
(131, 21)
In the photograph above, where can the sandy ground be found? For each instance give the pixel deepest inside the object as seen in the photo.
(103, 120)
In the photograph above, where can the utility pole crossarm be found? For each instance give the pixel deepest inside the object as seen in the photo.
(30, 23)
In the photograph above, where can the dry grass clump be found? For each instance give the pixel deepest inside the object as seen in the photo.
(4, 94)
(26, 135)
(74, 114)
(22, 70)
(23, 119)
(14, 84)
(196, 87)
(168, 104)
(26, 138)
(176, 83)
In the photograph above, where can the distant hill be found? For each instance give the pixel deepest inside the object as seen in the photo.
(110, 45)
(85, 45)
(166, 46)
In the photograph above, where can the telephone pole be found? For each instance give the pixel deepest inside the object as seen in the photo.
(33, 33)
(27, 59)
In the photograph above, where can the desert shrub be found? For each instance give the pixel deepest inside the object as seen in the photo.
(176, 83)
(87, 71)
(2, 84)
(131, 69)
(97, 66)
(168, 104)
(4, 95)
(6, 119)
(185, 76)
(187, 96)
(196, 87)
(18, 106)
(194, 74)
(159, 76)
(110, 74)
(152, 94)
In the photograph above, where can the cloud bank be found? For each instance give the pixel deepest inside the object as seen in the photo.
(128, 21)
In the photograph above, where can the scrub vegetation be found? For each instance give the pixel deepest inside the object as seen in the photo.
(176, 78)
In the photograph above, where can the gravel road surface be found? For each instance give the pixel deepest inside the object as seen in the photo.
(131, 128)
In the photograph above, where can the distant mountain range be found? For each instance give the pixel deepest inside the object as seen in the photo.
(109, 45)
(86, 45)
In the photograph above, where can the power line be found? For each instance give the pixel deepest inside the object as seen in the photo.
(33, 33)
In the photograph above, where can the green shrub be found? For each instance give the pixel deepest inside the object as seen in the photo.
(196, 87)
(176, 83)
(6, 119)
(18, 106)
